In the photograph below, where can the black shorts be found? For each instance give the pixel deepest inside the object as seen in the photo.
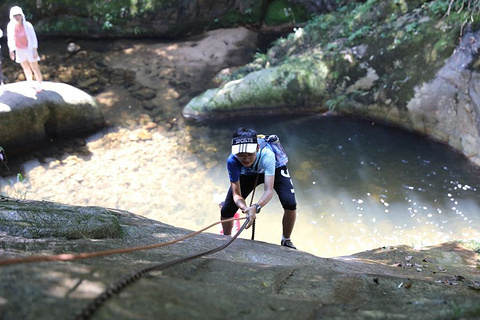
(283, 186)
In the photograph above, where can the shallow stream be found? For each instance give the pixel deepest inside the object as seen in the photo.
(359, 185)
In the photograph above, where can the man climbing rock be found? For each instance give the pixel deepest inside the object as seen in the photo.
(254, 161)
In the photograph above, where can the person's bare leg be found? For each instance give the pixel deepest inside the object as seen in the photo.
(288, 222)
(227, 227)
(27, 71)
(36, 70)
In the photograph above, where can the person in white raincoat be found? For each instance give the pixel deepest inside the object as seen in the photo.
(23, 46)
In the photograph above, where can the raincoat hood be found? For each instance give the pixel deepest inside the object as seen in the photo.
(16, 10)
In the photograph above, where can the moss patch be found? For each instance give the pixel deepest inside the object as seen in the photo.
(31, 219)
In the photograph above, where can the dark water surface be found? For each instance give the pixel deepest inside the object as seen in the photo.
(361, 185)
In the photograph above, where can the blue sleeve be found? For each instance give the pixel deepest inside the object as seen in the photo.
(234, 168)
(268, 161)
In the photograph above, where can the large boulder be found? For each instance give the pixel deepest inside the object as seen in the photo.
(27, 117)
(246, 280)
(289, 88)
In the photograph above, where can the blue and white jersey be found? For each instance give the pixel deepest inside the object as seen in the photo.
(264, 163)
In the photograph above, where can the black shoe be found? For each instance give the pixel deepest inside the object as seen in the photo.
(288, 243)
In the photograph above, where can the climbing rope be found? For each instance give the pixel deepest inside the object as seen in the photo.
(116, 287)
(253, 230)
(251, 201)
(87, 255)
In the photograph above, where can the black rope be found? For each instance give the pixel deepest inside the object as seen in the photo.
(253, 230)
(118, 286)
(251, 201)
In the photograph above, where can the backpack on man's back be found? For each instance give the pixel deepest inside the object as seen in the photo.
(273, 141)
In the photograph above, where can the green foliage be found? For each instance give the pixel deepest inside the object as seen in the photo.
(260, 58)
(397, 36)
(438, 7)
(18, 189)
(107, 24)
(337, 102)
(462, 11)
(446, 7)
(411, 27)
(252, 14)
(71, 25)
(282, 11)
(233, 18)
(83, 16)
(360, 33)
(356, 21)
(137, 30)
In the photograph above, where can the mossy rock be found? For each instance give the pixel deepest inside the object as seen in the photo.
(290, 87)
(31, 219)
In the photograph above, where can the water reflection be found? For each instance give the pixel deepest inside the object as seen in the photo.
(361, 185)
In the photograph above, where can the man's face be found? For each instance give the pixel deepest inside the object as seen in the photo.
(246, 159)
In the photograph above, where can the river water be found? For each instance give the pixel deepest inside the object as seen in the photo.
(359, 185)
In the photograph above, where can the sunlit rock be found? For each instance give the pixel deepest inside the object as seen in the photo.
(279, 89)
(27, 117)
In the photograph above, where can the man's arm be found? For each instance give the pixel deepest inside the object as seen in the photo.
(267, 191)
(237, 196)
(240, 202)
(252, 210)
